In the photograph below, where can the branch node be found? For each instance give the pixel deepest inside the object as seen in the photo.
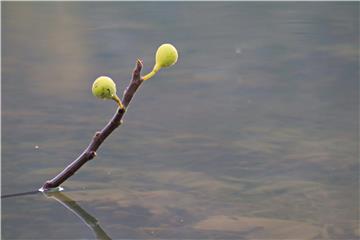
(121, 110)
(92, 154)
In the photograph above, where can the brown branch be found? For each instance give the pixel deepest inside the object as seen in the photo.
(99, 137)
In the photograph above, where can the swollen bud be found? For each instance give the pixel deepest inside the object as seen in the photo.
(104, 88)
(166, 55)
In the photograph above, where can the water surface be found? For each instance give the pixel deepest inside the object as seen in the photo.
(252, 134)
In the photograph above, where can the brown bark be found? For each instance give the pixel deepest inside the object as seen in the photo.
(99, 137)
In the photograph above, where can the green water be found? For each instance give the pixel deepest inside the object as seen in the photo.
(253, 134)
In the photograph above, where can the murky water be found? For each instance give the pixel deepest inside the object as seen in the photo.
(252, 134)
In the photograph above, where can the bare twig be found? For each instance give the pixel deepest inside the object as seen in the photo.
(99, 137)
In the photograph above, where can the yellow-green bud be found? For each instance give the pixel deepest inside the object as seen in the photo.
(104, 88)
(166, 55)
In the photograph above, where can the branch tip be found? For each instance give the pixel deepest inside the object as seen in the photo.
(139, 61)
(137, 70)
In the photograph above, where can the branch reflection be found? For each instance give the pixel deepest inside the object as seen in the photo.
(88, 219)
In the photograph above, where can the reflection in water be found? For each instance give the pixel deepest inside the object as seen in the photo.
(74, 207)
(19, 194)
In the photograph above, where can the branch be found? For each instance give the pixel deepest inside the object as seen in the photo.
(99, 137)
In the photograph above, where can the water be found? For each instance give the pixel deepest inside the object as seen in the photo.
(252, 134)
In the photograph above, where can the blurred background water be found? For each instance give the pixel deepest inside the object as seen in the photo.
(252, 134)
